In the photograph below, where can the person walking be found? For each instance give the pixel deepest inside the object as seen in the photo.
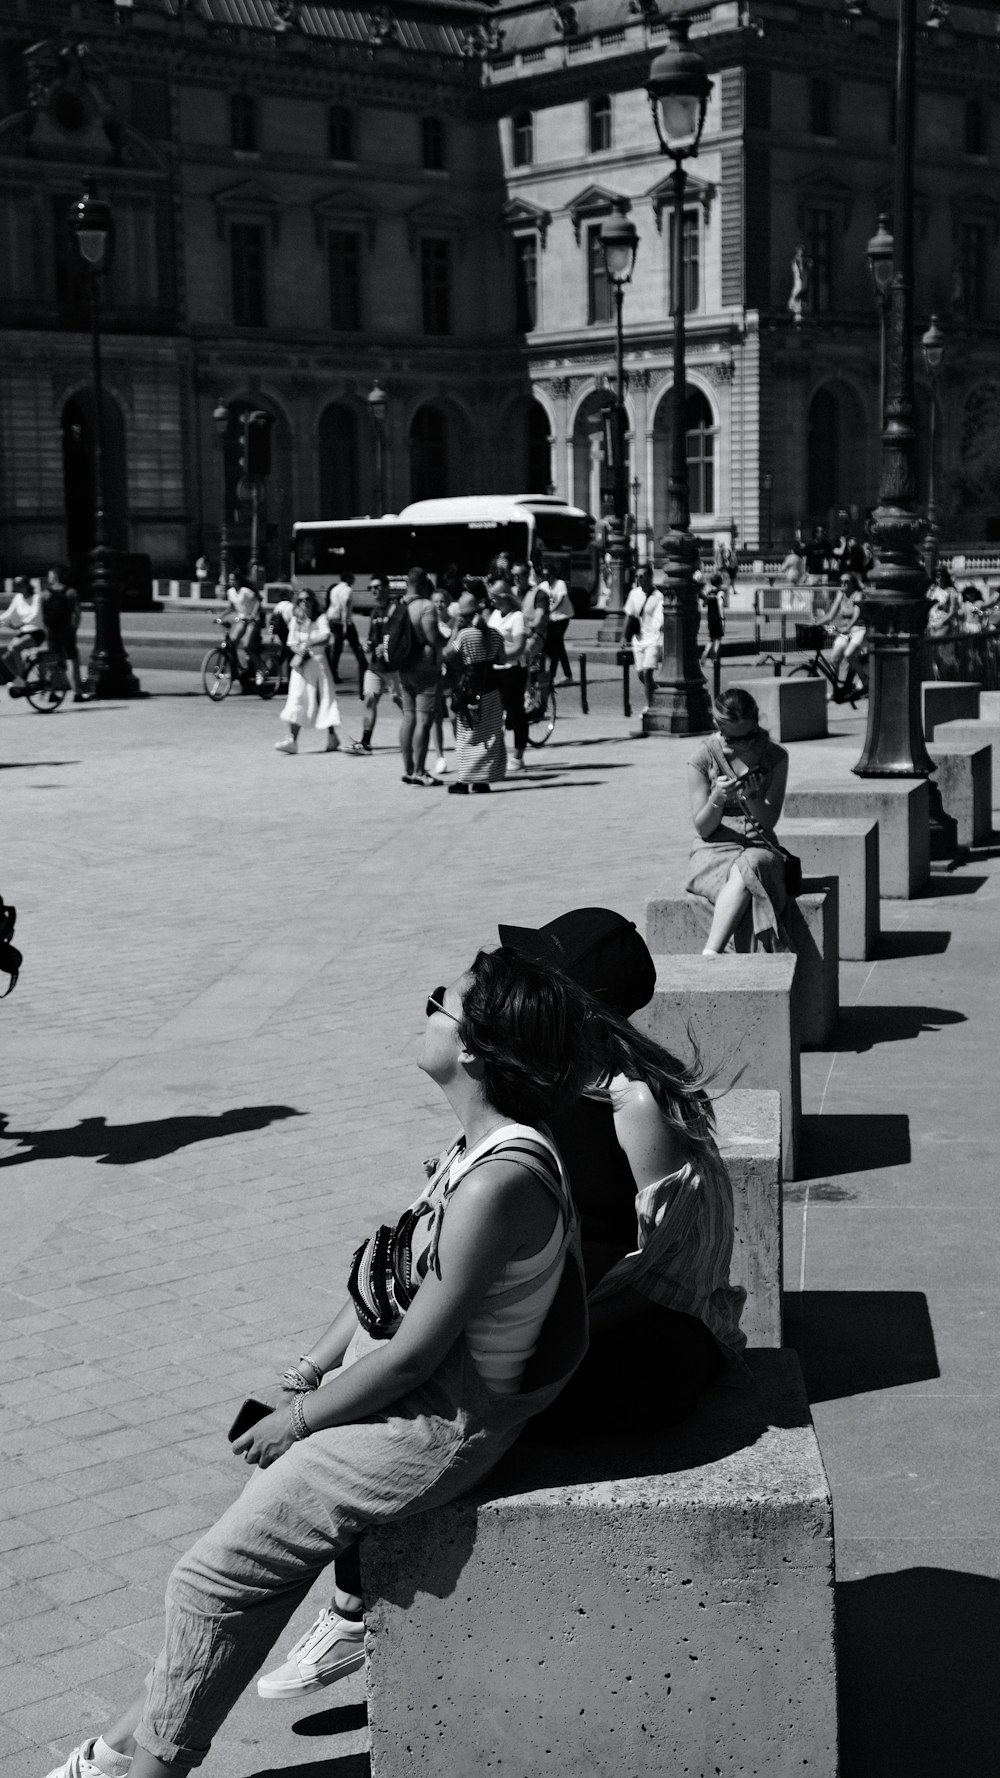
(412, 1394)
(470, 657)
(61, 617)
(510, 672)
(311, 697)
(339, 597)
(419, 678)
(560, 612)
(711, 598)
(736, 782)
(377, 677)
(644, 629)
(439, 600)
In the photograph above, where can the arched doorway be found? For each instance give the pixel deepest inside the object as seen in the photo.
(79, 489)
(699, 444)
(339, 480)
(538, 449)
(592, 470)
(429, 444)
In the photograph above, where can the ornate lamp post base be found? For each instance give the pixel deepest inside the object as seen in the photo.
(109, 671)
(894, 743)
(680, 701)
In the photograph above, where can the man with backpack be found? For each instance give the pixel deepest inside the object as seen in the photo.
(412, 647)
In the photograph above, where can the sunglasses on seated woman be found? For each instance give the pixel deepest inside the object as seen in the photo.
(435, 1003)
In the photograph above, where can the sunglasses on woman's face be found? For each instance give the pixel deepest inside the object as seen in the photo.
(435, 1003)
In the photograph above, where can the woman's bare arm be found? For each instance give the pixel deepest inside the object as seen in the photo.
(707, 801)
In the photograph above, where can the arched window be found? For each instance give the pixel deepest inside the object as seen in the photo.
(538, 449)
(823, 454)
(700, 432)
(428, 453)
(522, 131)
(338, 463)
(599, 123)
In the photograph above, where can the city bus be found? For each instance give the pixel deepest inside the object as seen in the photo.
(466, 532)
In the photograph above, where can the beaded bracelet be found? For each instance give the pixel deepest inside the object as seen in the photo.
(294, 1383)
(313, 1366)
(300, 1426)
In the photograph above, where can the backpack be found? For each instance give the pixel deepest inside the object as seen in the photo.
(469, 689)
(402, 643)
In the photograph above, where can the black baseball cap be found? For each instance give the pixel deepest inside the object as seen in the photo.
(600, 949)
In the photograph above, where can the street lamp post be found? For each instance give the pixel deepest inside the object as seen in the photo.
(378, 407)
(895, 602)
(933, 344)
(619, 244)
(109, 673)
(678, 89)
(769, 491)
(881, 252)
(221, 420)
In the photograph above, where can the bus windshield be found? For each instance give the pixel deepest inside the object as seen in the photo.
(394, 546)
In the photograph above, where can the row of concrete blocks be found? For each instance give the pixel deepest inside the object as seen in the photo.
(662, 1605)
(795, 709)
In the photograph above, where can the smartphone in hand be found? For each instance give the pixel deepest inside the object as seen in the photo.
(248, 1416)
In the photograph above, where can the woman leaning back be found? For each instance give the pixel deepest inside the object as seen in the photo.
(462, 1321)
(736, 781)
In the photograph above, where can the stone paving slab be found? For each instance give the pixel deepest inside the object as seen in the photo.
(210, 1096)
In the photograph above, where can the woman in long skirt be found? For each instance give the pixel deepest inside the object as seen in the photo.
(311, 696)
(482, 752)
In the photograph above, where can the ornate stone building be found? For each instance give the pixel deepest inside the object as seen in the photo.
(312, 197)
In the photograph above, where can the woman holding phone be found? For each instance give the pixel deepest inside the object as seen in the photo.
(462, 1321)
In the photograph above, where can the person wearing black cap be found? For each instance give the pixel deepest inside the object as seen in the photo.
(654, 1199)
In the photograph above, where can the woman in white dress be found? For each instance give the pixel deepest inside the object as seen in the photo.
(311, 697)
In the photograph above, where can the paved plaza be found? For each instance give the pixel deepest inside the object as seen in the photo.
(210, 1096)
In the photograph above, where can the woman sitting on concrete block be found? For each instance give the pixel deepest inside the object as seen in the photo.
(737, 779)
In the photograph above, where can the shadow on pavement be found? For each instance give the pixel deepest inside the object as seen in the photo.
(31, 765)
(350, 1765)
(860, 1028)
(848, 1142)
(908, 942)
(122, 1145)
(339, 1720)
(550, 782)
(914, 1653)
(950, 885)
(851, 1342)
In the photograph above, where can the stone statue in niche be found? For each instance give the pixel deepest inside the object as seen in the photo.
(800, 285)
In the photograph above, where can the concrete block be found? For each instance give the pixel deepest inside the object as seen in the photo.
(792, 709)
(647, 1608)
(948, 700)
(741, 1013)
(989, 706)
(677, 925)
(901, 806)
(964, 781)
(985, 732)
(848, 852)
(748, 1128)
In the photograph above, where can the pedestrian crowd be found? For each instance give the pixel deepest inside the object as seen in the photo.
(470, 650)
(42, 619)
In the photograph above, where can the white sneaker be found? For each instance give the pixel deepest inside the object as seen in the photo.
(440, 766)
(79, 1764)
(332, 1648)
(288, 746)
(516, 764)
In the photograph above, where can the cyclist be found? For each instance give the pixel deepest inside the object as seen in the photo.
(24, 616)
(845, 622)
(247, 606)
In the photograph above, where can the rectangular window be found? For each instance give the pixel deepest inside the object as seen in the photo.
(243, 122)
(975, 127)
(432, 147)
(599, 123)
(18, 261)
(973, 259)
(149, 107)
(344, 256)
(525, 283)
(340, 133)
(435, 285)
(600, 307)
(247, 263)
(819, 252)
(522, 139)
(134, 280)
(820, 106)
(691, 260)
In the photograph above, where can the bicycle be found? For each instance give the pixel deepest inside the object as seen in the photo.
(46, 680)
(846, 691)
(539, 704)
(222, 667)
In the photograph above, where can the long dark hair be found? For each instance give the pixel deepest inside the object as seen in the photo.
(678, 1087)
(534, 1032)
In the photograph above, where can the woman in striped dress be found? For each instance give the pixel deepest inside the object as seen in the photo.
(654, 1200)
(482, 752)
